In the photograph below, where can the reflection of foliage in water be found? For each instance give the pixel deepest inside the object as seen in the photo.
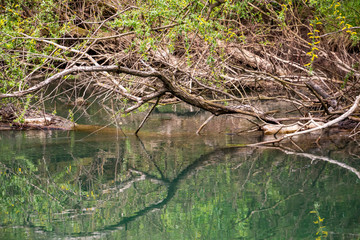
(24, 197)
(167, 190)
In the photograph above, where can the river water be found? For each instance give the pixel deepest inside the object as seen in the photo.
(169, 183)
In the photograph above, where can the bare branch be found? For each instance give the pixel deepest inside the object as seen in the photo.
(57, 76)
(326, 125)
(147, 116)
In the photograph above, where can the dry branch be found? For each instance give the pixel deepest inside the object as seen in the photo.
(326, 125)
(147, 116)
(58, 76)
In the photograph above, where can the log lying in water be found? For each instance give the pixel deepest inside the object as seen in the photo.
(48, 122)
(12, 118)
(38, 120)
(272, 129)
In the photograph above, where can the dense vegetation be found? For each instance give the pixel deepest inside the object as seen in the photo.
(222, 56)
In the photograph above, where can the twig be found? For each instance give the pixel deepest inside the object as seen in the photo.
(204, 124)
(147, 115)
(346, 29)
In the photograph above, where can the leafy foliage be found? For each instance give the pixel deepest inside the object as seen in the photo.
(208, 48)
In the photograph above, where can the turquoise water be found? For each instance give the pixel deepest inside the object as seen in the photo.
(77, 185)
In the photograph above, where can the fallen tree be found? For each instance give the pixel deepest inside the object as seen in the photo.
(212, 56)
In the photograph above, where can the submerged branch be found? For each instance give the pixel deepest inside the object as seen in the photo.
(147, 116)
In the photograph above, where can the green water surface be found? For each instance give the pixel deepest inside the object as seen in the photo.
(76, 185)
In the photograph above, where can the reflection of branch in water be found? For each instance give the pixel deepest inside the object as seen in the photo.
(322, 158)
(128, 183)
(249, 173)
(250, 213)
(152, 178)
(312, 157)
(125, 185)
(150, 157)
(171, 190)
(344, 235)
(326, 159)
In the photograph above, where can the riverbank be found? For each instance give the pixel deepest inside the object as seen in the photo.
(12, 118)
